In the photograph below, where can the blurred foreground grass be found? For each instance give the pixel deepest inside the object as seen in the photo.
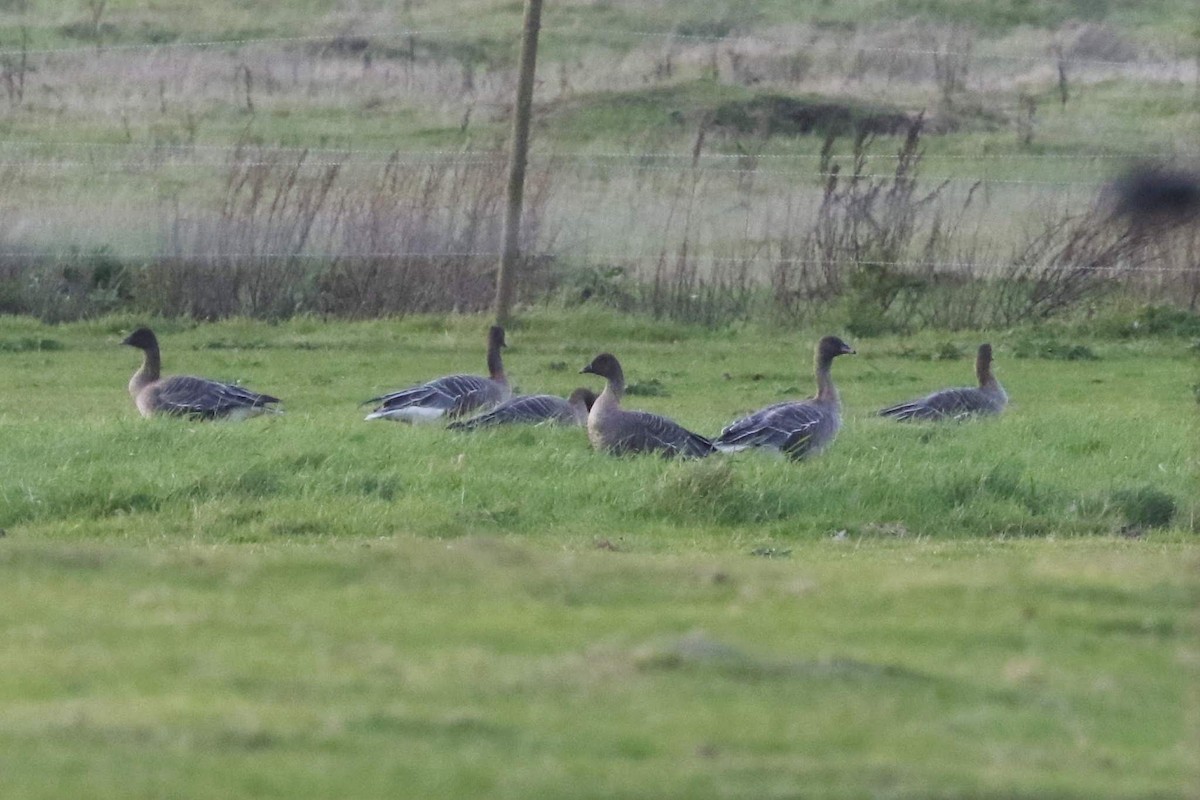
(485, 667)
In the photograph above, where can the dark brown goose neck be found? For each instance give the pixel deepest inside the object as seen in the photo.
(494, 363)
(616, 379)
(983, 367)
(151, 364)
(151, 368)
(826, 391)
(829, 348)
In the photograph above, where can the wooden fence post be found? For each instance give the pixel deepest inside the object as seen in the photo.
(511, 253)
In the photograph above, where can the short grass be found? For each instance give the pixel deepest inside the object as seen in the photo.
(1079, 434)
(314, 606)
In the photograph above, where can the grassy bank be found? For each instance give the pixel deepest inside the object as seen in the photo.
(1089, 446)
(314, 606)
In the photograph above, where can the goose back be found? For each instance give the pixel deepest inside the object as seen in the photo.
(622, 432)
(614, 430)
(534, 409)
(187, 395)
(958, 403)
(451, 396)
(797, 428)
(200, 398)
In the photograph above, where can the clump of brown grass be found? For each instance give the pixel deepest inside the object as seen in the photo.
(289, 237)
(252, 256)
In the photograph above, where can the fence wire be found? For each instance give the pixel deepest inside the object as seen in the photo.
(578, 260)
(568, 32)
(386, 155)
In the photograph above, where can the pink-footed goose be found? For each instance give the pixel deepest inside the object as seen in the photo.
(534, 409)
(796, 428)
(957, 404)
(187, 395)
(451, 396)
(617, 431)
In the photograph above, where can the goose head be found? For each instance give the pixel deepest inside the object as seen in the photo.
(605, 365)
(142, 339)
(830, 347)
(496, 337)
(583, 396)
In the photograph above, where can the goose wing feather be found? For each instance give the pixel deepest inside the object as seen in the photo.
(788, 427)
(646, 431)
(192, 396)
(444, 393)
(475, 394)
(945, 404)
(527, 409)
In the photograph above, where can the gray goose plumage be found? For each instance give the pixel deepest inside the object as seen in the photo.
(960, 403)
(617, 431)
(534, 409)
(187, 395)
(796, 428)
(451, 396)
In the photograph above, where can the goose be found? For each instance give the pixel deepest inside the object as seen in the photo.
(187, 395)
(796, 428)
(534, 409)
(957, 404)
(616, 431)
(450, 396)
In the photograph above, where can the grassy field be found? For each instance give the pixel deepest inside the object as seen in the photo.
(314, 606)
(309, 605)
(493, 667)
(120, 125)
(1082, 434)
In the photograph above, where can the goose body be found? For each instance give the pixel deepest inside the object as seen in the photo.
(796, 428)
(187, 395)
(614, 430)
(451, 396)
(534, 409)
(960, 403)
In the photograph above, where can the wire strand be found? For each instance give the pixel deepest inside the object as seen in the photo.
(846, 176)
(558, 30)
(590, 258)
(99, 50)
(386, 153)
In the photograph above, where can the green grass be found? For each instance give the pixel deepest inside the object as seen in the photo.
(1051, 465)
(314, 606)
(492, 667)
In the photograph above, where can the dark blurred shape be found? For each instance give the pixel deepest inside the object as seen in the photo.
(1151, 194)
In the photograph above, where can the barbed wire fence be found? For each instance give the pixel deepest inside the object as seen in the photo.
(692, 223)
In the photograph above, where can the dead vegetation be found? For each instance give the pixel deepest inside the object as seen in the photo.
(863, 236)
(288, 239)
(880, 252)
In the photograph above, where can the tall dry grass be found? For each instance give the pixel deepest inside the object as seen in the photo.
(879, 251)
(286, 239)
(884, 254)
